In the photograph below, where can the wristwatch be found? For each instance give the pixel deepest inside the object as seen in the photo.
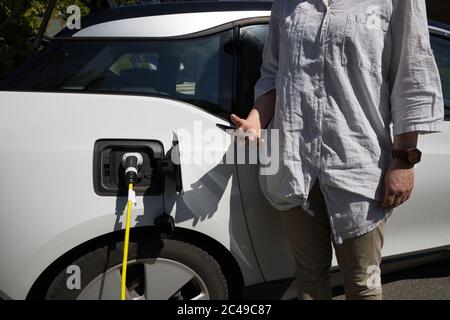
(411, 156)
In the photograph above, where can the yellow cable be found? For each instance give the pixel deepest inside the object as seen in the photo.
(125, 246)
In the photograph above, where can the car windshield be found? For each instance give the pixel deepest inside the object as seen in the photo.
(198, 71)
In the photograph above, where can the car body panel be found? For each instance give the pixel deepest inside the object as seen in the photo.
(165, 25)
(49, 205)
(423, 221)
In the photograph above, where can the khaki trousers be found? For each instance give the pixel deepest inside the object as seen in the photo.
(310, 241)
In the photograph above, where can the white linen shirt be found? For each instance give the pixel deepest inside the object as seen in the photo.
(343, 74)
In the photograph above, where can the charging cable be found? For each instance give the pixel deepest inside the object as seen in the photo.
(131, 162)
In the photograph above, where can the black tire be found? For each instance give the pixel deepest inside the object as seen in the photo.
(94, 263)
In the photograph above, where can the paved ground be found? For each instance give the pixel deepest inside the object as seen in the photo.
(431, 281)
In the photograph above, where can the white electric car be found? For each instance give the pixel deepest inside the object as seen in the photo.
(147, 79)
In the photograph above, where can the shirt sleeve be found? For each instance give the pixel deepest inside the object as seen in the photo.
(416, 91)
(269, 67)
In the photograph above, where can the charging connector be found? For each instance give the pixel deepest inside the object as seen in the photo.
(132, 161)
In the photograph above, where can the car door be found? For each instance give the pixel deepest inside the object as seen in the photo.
(264, 223)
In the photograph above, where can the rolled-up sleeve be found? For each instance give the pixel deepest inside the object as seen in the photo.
(416, 92)
(269, 65)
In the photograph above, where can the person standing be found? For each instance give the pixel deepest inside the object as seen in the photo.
(335, 75)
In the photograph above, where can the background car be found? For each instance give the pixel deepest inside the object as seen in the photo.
(143, 78)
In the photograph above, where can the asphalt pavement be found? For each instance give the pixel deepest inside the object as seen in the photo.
(426, 282)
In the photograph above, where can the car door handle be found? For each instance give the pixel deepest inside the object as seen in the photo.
(225, 127)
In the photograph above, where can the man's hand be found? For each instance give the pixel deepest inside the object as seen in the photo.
(398, 184)
(251, 126)
(258, 117)
(399, 179)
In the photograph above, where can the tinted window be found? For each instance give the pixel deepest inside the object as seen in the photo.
(441, 49)
(198, 71)
(251, 44)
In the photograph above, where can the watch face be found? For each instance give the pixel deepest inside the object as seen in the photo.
(414, 156)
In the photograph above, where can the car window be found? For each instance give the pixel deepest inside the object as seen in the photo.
(198, 71)
(251, 44)
(441, 49)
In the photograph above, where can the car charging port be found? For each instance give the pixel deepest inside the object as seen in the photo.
(109, 167)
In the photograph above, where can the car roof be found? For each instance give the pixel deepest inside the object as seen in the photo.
(166, 19)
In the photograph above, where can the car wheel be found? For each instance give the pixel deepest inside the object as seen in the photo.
(157, 270)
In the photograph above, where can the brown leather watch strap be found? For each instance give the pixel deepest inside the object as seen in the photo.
(399, 154)
(410, 156)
